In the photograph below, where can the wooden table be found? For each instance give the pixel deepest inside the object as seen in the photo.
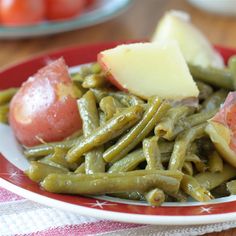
(138, 22)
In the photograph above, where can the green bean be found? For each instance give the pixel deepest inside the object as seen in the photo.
(155, 197)
(153, 114)
(77, 78)
(221, 78)
(211, 180)
(169, 173)
(165, 146)
(94, 81)
(214, 101)
(89, 115)
(42, 150)
(182, 143)
(191, 186)
(109, 106)
(129, 162)
(4, 109)
(38, 171)
(124, 98)
(131, 196)
(204, 90)
(199, 164)
(80, 169)
(72, 184)
(110, 130)
(192, 120)
(166, 126)
(6, 95)
(152, 153)
(187, 168)
(59, 157)
(232, 68)
(215, 163)
(231, 186)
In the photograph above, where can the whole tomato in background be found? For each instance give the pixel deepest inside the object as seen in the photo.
(89, 3)
(63, 9)
(21, 12)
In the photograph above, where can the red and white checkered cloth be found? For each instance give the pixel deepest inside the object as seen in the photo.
(19, 216)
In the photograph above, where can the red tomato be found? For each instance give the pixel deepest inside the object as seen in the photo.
(89, 2)
(21, 12)
(62, 9)
(45, 107)
(227, 117)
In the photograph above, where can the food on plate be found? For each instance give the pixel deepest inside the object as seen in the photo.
(139, 124)
(18, 12)
(127, 69)
(37, 111)
(222, 129)
(29, 12)
(196, 49)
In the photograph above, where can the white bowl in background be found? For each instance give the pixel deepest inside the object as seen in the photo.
(224, 7)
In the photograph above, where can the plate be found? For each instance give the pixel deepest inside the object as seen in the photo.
(12, 164)
(101, 11)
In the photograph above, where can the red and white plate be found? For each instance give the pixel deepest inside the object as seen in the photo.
(13, 163)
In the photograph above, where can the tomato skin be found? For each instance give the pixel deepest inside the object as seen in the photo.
(63, 9)
(21, 12)
(89, 3)
(44, 108)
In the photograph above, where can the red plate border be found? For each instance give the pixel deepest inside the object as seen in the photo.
(16, 74)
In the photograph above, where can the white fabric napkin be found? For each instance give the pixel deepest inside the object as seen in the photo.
(19, 216)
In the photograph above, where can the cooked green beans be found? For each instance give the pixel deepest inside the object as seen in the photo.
(191, 186)
(113, 128)
(124, 98)
(6, 95)
(166, 127)
(204, 90)
(214, 101)
(215, 163)
(155, 197)
(74, 184)
(109, 106)
(39, 151)
(129, 162)
(221, 78)
(182, 143)
(210, 180)
(89, 115)
(231, 186)
(94, 81)
(38, 171)
(126, 143)
(152, 153)
(154, 113)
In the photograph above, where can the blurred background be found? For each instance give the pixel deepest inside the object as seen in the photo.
(135, 19)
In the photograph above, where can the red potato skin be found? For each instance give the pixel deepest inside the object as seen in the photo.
(44, 108)
(109, 76)
(227, 117)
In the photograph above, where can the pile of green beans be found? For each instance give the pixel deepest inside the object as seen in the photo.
(145, 150)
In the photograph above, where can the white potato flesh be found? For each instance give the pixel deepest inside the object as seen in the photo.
(149, 69)
(176, 25)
